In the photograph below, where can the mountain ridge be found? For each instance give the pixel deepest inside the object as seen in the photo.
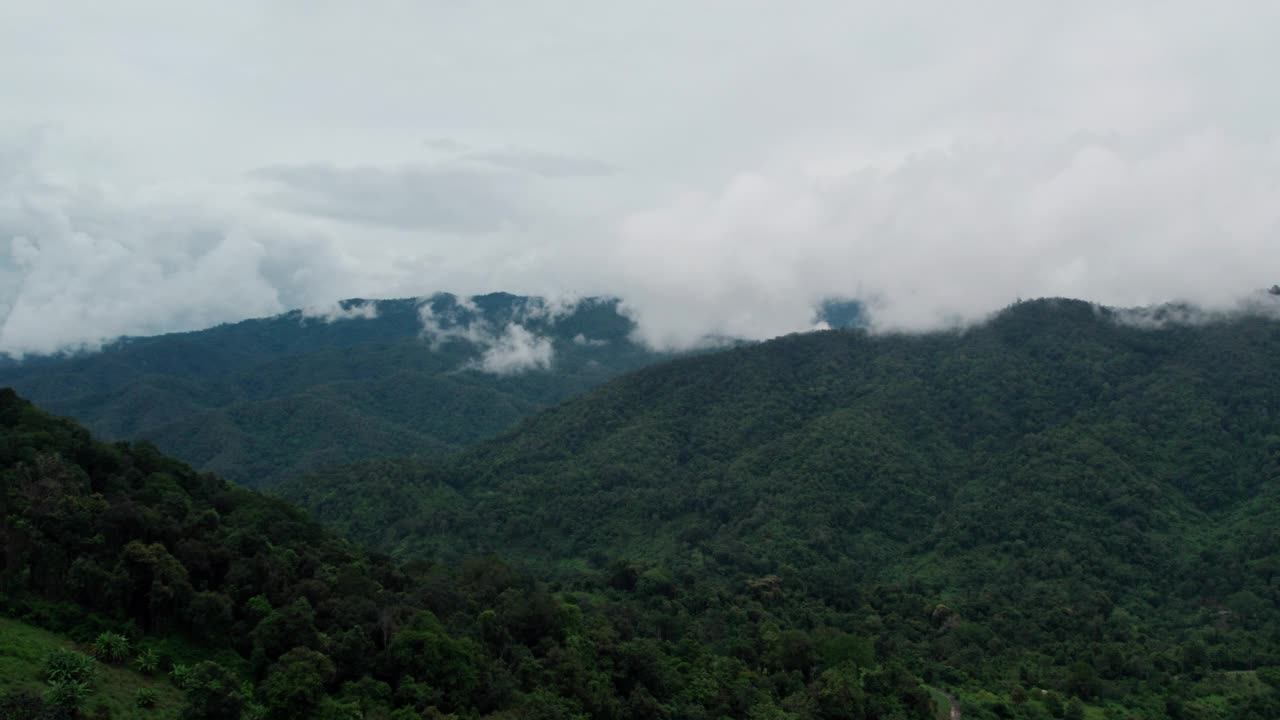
(1064, 483)
(261, 399)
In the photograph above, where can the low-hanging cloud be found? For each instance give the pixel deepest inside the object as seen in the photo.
(1262, 303)
(514, 350)
(945, 237)
(505, 348)
(337, 311)
(932, 161)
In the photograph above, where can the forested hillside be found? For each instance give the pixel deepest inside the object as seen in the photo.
(1057, 503)
(252, 610)
(264, 399)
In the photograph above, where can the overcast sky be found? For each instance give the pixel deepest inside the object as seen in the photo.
(721, 164)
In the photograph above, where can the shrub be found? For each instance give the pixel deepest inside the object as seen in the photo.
(178, 674)
(147, 662)
(146, 698)
(111, 647)
(67, 694)
(64, 665)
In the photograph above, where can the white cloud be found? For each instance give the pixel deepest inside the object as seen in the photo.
(951, 235)
(1261, 303)
(81, 263)
(546, 164)
(336, 311)
(516, 350)
(458, 199)
(504, 349)
(548, 308)
(934, 159)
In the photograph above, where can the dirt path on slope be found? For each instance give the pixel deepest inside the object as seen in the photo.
(955, 705)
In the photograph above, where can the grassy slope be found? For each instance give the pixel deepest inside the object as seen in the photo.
(23, 649)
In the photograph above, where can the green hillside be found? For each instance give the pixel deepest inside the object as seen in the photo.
(24, 649)
(1055, 501)
(264, 399)
(258, 612)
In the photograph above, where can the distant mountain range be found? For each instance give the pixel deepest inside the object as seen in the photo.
(264, 399)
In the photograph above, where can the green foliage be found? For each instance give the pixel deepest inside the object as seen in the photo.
(1060, 499)
(68, 666)
(285, 628)
(147, 662)
(1054, 512)
(213, 693)
(68, 694)
(111, 647)
(425, 651)
(295, 684)
(318, 628)
(24, 652)
(179, 674)
(146, 698)
(264, 400)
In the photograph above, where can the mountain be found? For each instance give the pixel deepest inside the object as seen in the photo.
(1061, 500)
(253, 610)
(264, 399)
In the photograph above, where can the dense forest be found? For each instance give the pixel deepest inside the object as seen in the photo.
(1064, 502)
(254, 611)
(267, 399)
(1065, 512)
(261, 400)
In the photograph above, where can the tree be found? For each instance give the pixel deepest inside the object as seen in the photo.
(427, 652)
(1082, 680)
(158, 585)
(283, 628)
(209, 615)
(213, 693)
(1053, 704)
(1195, 658)
(839, 693)
(295, 684)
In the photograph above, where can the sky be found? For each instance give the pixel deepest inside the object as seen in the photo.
(722, 166)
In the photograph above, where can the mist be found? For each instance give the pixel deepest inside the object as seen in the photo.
(935, 163)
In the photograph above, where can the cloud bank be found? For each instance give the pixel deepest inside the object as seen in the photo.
(947, 236)
(83, 263)
(933, 161)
